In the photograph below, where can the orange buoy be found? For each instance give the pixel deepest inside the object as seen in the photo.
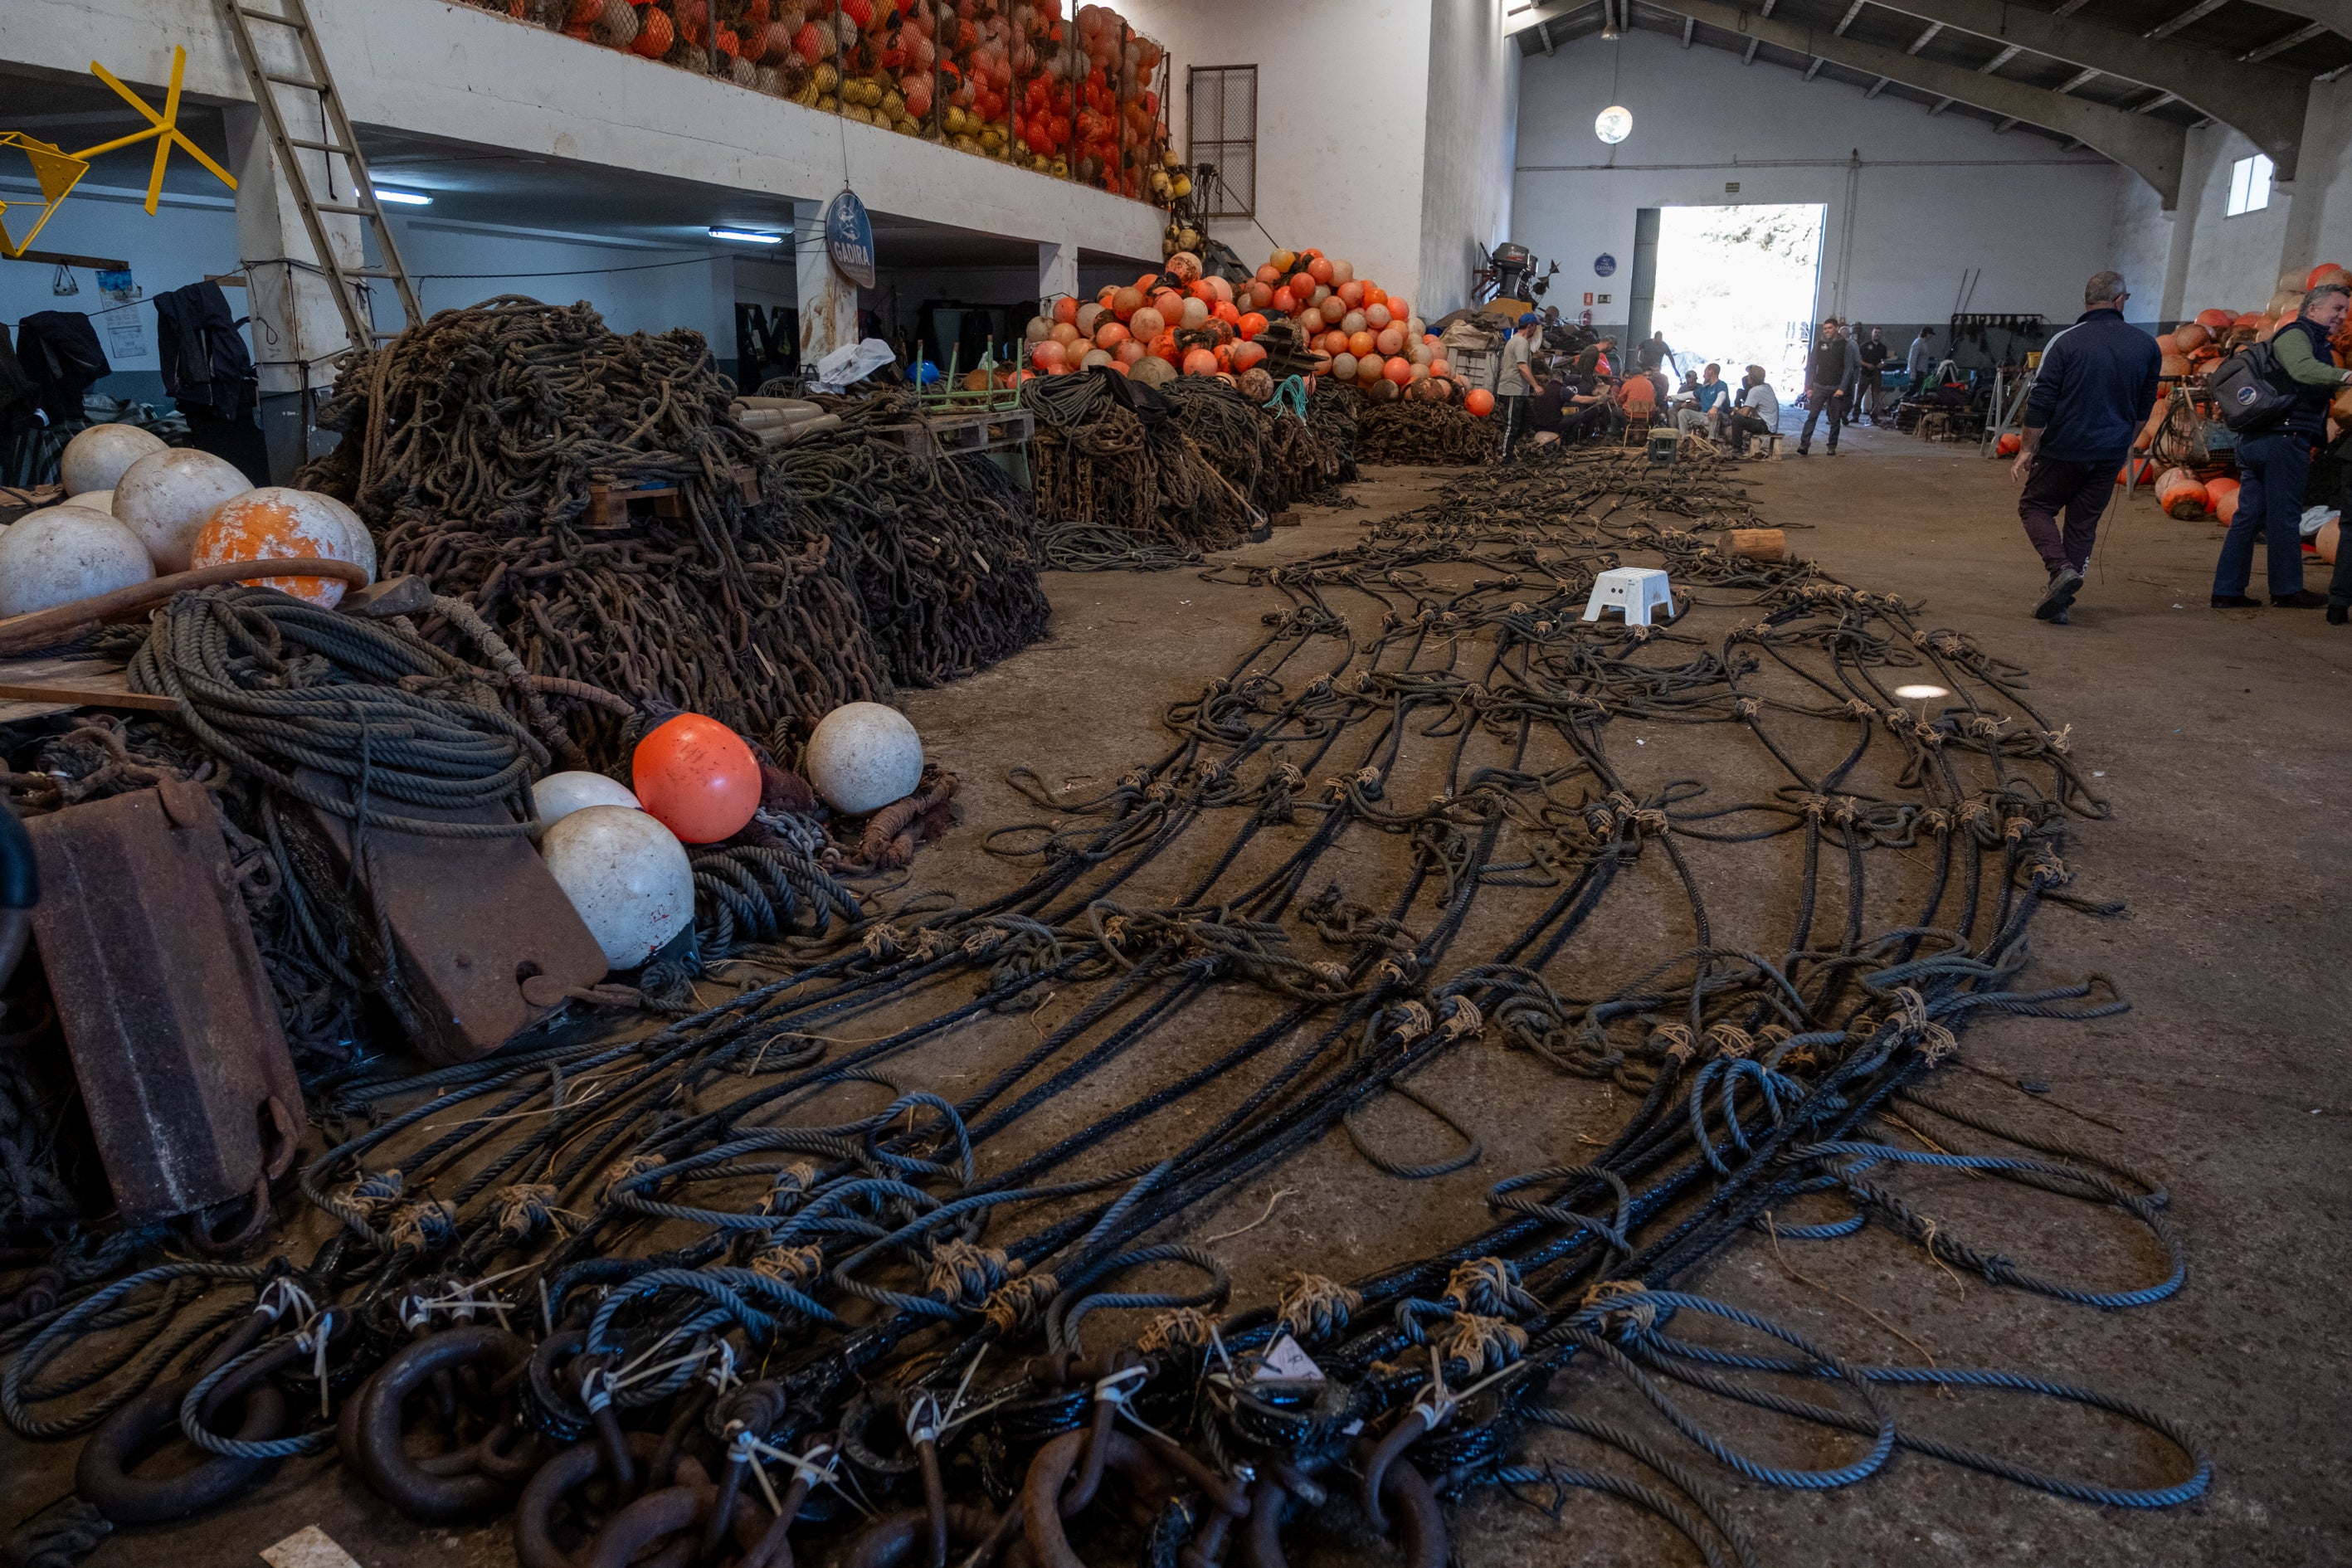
(2222, 495)
(1361, 343)
(1399, 371)
(2318, 272)
(1066, 308)
(2009, 445)
(1251, 325)
(1047, 356)
(1199, 362)
(1480, 402)
(1110, 335)
(696, 777)
(2189, 337)
(2215, 320)
(276, 522)
(2146, 472)
(2180, 493)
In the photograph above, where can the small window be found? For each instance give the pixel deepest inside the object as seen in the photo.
(2249, 186)
(1221, 123)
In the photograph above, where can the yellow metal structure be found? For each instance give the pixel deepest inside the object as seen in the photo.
(56, 171)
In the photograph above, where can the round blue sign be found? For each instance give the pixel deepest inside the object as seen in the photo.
(1604, 264)
(849, 239)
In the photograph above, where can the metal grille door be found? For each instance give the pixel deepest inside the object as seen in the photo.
(1221, 120)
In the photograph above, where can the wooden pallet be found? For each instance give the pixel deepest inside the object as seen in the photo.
(951, 434)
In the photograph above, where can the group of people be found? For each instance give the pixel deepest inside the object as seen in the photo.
(1585, 398)
(1846, 377)
(2095, 380)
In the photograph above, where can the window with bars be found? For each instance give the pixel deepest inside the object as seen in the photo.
(1221, 123)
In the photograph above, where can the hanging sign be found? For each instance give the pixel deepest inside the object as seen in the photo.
(849, 239)
(1604, 264)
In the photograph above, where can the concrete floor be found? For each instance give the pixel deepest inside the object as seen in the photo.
(2202, 724)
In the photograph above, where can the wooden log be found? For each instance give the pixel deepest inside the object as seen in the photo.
(1758, 544)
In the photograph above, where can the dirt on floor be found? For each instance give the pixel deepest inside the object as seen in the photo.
(2217, 736)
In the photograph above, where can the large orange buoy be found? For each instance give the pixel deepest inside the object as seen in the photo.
(2146, 472)
(2180, 493)
(1126, 303)
(1066, 308)
(2318, 272)
(1199, 362)
(276, 523)
(1361, 343)
(1399, 371)
(1110, 335)
(1048, 355)
(696, 777)
(1252, 324)
(2215, 320)
(2009, 445)
(1480, 402)
(2222, 495)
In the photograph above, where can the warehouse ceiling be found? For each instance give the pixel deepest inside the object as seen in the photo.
(2262, 52)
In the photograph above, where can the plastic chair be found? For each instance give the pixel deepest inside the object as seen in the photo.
(1632, 590)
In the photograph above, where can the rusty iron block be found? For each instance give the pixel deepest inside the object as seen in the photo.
(167, 1011)
(487, 943)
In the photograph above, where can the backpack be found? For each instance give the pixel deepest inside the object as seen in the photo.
(2250, 391)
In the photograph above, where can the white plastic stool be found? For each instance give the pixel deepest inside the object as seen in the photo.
(1634, 590)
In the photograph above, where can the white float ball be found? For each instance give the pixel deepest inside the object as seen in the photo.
(627, 875)
(97, 501)
(362, 542)
(1343, 365)
(862, 756)
(558, 795)
(62, 553)
(165, 497)
(94, 459)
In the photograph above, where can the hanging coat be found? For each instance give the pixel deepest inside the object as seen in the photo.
(204, 361)
(59, 352)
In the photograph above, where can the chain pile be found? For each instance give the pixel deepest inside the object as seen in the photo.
(470, 445)
(807, 1272)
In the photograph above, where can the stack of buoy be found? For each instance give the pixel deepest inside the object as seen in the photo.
(1181, 321)
(135, 508)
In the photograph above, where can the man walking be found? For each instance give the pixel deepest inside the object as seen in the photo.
(1824, 382)
(1872, 354)
(2096, 378)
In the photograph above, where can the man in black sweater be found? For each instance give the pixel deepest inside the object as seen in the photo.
(2089, 398)
(1825, 377)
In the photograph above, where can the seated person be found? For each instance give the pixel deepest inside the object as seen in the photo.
(1637, 398)
(1710, 401)
(1759, 409)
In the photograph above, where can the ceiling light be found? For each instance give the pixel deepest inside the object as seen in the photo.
(1613, 124)
(1920, 693)
(751, 237)
(402, 199)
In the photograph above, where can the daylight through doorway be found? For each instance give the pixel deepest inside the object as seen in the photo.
(1736, 286)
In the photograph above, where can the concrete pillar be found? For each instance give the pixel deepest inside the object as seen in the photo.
(1057, 273)
(721, 316)
(828, 301)
(297, 326)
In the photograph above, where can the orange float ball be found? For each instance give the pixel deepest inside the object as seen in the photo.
(1301, 284)
(1164, 347)
(1126, 303)
(1390, 341)
(1332, 310)
(1168, 302)
(1399, 306)
(1284, 302)
(1065, 310)
(1260, 297)
(1065, 333)
(1480, 402)
(1438, 367)
(1110, 335)
(1147, 283)
(1375, 295)
(1220, 288)
(278, 523)
(1319, 269)
(1048, 354)
(1334, 342)
(1199, 290)
(1223, 310)
(1225, 357)
(1353, 293)
(1398, 370)
(1361, 343)
(1199, 362)
(1128, 353)
(1269, 275)
(1248, 354)
(696, 777)
(1252, 324)
(2318, 272)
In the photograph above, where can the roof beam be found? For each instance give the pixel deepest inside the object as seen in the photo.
(2151, 149)
(2001, 58)
(1847, 20)
(2197, 12)
(2083, 78)
(1690, 28)
(2008, 123)
(1938, 107)
(1876, 88)
(2264, 103)
(1814, 69)
(1923, 40)
(2280, 45)
(1749, 57)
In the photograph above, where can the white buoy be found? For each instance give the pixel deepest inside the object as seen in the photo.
(862, 756)
(62, 553)
(165, 497)
(97, 501)
(362, 542)
(558, 795)
(628, 877)
(94, 459)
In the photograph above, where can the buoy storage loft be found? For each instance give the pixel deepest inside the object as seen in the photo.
(996, 784)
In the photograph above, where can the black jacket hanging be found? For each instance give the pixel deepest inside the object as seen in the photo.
(19, 395)
(59, 352)
(204, 361)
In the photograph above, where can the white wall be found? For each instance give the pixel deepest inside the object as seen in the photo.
(1472, 126)
(2208, 259)
(1343, 96)
(1913, 199)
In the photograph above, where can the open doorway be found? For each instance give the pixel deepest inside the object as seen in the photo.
(1736, 285)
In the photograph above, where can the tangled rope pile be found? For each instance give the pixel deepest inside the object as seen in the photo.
(1409, 430)
(470, 445)
(1127, 473)
(806, 1269)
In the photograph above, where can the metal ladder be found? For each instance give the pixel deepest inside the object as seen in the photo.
(349, 283)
